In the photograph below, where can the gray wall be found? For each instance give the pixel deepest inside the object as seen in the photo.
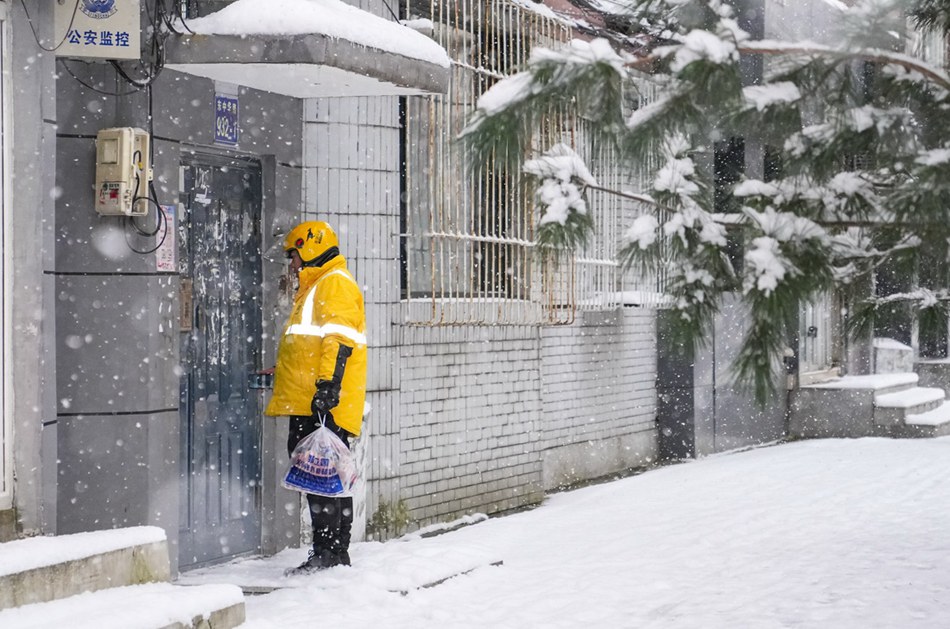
(117, 335)
(492, 417)
(700, 411)
(32, 259)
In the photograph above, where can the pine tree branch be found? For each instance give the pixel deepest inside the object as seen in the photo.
(733, 219)
(633, 196)
(878, 56)
(644, 64)
(931, 14)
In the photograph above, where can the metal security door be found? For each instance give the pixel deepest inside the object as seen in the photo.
(221, 339)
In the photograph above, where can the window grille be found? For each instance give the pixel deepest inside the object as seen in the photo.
(468, 248)
(641, 287)
(928, 45)
(468, 238)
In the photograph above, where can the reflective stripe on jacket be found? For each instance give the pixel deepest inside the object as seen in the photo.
(324, 339)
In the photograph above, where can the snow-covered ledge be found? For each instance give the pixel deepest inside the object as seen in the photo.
(309, 49)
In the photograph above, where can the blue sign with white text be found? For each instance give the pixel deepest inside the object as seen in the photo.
(225, 120)
(99, 29)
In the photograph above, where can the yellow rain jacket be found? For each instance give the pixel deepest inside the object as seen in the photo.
(328, 312)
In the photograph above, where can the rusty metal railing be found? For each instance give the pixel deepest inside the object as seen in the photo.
(469, 249)
(469, 241)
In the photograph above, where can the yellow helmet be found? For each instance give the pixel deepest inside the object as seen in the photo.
(315, 241)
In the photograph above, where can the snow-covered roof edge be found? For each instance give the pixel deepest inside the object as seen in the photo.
(331, 18)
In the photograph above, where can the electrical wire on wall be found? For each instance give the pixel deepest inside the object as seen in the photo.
(151, 195)
(162, 22)
(36, 35)
(140, 75)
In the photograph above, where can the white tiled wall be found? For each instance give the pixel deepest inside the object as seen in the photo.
(351, 180)
(469, 419)
(599, 392)
(470, 411)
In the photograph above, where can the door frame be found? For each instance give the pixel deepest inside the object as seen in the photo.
(826, 335)
(214, 156)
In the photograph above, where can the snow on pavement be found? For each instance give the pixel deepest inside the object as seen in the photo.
(830, 533)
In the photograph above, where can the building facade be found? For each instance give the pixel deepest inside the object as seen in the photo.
(131, 396)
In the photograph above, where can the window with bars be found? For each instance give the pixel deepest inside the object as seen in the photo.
(931, 46)
(468, 234)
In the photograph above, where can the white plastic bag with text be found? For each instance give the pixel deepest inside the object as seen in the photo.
(321, 464)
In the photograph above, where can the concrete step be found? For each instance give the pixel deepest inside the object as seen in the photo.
(40, 569)
(879, 384)
(148, 606)
(892, 409)
(843, 407)
(933, 423)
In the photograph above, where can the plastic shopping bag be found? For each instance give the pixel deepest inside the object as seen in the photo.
(321, 464)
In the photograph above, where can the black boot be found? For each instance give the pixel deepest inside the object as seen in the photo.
(332, 520)
(307, 567)
(327, 559)
(317, 559)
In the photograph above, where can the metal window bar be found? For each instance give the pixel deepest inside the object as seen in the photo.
(928, 45)
(639, 288)
(469, 241)
(600, 282)
(594, 276)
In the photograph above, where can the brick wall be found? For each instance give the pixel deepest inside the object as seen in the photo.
(469, 409)
(492, 417)
(599, 395)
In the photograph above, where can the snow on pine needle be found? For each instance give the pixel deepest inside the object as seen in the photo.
(562, 176)
(764, 96)
(855, 129)
(585, 76)
(766, 264)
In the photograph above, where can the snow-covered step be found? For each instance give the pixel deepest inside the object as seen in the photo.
(892, 409)
(911, 397)
(933, 423)
(39, 569)
(879, 384)
(844, 407)
(148, 606)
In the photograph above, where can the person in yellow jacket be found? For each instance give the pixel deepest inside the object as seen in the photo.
(321, 371)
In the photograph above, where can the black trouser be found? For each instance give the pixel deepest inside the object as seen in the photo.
(332, 518)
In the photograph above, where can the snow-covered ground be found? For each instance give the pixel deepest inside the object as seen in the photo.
(832, 533)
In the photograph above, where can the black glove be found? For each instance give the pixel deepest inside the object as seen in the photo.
(326, 397)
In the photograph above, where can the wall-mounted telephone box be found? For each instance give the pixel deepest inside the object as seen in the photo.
(123, 172)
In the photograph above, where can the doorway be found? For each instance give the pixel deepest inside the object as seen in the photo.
(220, 250)
(816, 339)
